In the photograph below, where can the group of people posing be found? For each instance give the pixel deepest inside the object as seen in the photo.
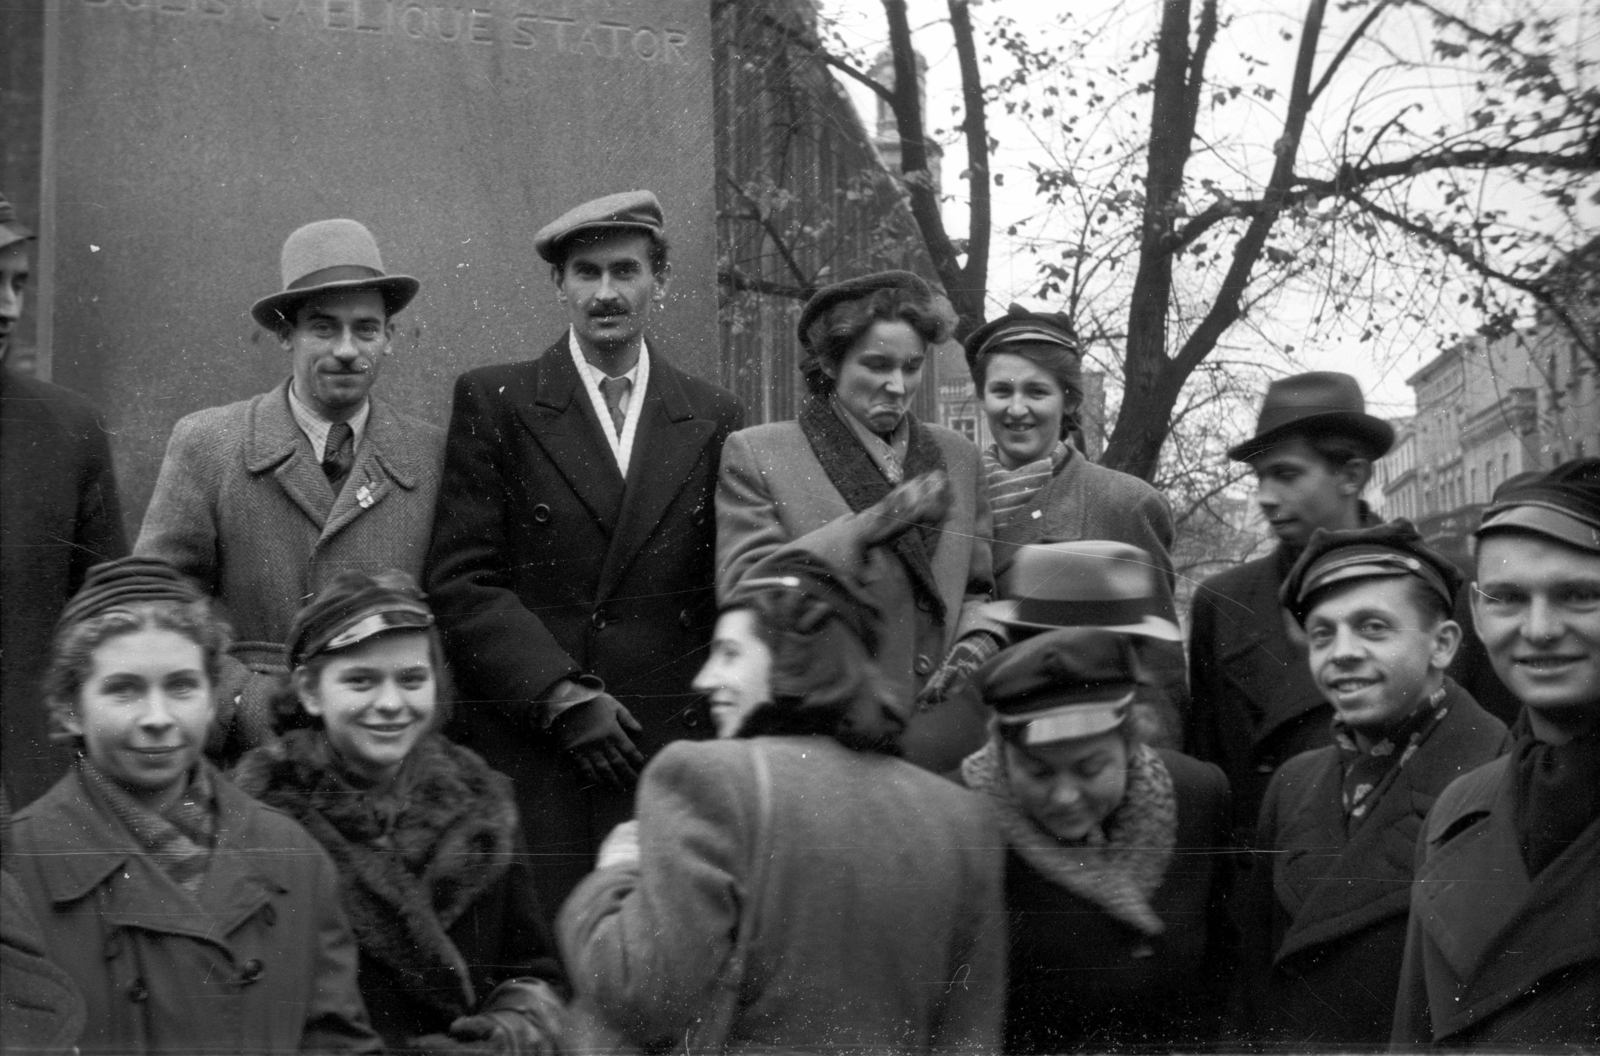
(599, 723)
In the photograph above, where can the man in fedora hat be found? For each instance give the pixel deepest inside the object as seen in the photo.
(59, 517)
(572, 559)
(1253, 703)
(264, 501)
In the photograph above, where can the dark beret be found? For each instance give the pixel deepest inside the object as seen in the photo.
(855, 290)
(1384, 550)
(1563, 504)
(353, 607)
(633, 210)
(1062, 685)
(128, 581)
(1019, 326)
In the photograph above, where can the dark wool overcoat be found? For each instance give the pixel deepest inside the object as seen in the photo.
(59, 514)
(547, 564)
(437, 935)
(260, 960)
(1326, 921)
(1082, 980)
(1496, 960)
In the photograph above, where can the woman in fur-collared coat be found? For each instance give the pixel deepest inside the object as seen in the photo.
(432, 871)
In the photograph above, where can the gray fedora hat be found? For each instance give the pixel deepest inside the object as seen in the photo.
(331, 255)
(1319, 403)
(1089, 583)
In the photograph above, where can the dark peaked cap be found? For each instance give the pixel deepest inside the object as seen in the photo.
(1563, 504)
(1379, 552)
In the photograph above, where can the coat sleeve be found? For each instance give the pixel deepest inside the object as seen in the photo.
(980, 570)
(748, 528)
(180, 524)
(1200, 736)
(645, 943)
(975, 1010)
(503, 651)
(336, 1017)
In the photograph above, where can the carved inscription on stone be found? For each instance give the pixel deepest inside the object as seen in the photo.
(594, 29)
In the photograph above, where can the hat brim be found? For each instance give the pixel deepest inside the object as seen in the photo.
(1005, 612)
(1375, 434)
(397, 291)
(11, 234)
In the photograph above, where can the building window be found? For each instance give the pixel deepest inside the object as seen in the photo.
(967, 427)
(1472, 495)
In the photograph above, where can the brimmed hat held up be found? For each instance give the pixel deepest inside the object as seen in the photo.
(1062, 685)
(352, 608)
(628, 211)
(1090, 583)
(1380, 552)
(329, 256)
(11, 229)
(1319, 403)
(1563, 504)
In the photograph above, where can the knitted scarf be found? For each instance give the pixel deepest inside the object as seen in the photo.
(1011, 490)
(179, 838)
(1118, 869)
(860, 483)
(1368, 772)
(1555, 791)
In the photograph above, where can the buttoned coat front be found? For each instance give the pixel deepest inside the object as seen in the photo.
(1327, 921)
(243, 506)
(1495, 959)
(259, 960)
(546, 564)
(773, 490)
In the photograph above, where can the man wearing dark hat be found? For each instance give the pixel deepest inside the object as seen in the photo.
(1503, 951)
(264, 501)
(59, 516)
(1253, 702)
(1326, 912)
(571, 565)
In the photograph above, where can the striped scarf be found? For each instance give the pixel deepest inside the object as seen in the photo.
(179, 838)
(1011, 490)
(1368, 772)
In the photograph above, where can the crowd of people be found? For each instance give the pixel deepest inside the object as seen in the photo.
(598, 722)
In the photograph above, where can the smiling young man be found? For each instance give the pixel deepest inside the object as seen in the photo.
(1503, 951)
(1253, 702)
(264, 501)
(571, 564)
(1325, 922)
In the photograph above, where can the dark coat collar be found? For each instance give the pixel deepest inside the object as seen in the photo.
(1335, 888)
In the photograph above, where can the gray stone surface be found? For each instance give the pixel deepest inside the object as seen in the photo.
(183, 139)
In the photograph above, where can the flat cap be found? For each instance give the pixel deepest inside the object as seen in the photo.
(631, 210)
(11, 229)
(854, 290)
(353, 607)
(1380, 552)
(1020, 326)
(1563, 504)
(1062, 685)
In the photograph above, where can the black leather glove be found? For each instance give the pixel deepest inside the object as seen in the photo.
(595, 732)
(521, 1018)
(965, 657)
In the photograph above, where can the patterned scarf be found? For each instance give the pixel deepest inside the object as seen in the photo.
(1118, 869)
(861, 483)
(1555, 792)
(1011, 490)
(1368, 772)
(180, 838)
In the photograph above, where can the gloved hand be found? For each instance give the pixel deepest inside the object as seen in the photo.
(965, 657)
(596, 733)
(620, 847)
(920, 500)
(521, 1018)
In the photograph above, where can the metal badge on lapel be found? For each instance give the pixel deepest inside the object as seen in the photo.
(364, 496)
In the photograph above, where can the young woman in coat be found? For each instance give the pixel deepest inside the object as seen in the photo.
(432, 872)
(793, 886)
(1325, 916)
(189, 917)
(866, 343)
(1116, 881)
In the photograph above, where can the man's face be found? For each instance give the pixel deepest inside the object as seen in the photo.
(1537, 608)
(609, 289)
(338, 342)
(1299, 492)
(13, 281)
(1374, 652)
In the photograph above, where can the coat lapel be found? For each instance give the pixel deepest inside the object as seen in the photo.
(386, 460)
(564, 424)
(667, 444)
(277, 444)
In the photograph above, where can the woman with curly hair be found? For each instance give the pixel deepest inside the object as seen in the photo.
(432, 870)
(190, 918)
(867, 342)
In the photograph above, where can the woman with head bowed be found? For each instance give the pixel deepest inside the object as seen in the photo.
(793, 886)
(189, 917)
(866, 344)
(1028, 370)
(1115, 878)
(432, 870)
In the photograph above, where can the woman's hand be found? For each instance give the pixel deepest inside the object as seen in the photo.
(965, 657)
(920, 500)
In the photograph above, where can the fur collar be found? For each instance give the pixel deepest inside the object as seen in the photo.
(410, 862)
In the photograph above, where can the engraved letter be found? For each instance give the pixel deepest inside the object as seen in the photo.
(480, 29)
(414, 19)
(340, 14)
(455, 22)
(617, 29)
(676, 39)
(213, 8)
(561, 25)
(173, 7)
(522, 30)
(646, 44)
(381, 24)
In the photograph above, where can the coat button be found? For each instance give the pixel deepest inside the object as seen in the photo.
(138, 992)
(541, 513)
(923, 664)
(251, 970)
(686, 618)
(1265, 768)
(599, 619)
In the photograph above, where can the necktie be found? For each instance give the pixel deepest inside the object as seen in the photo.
(339, 454)
(614, 389)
